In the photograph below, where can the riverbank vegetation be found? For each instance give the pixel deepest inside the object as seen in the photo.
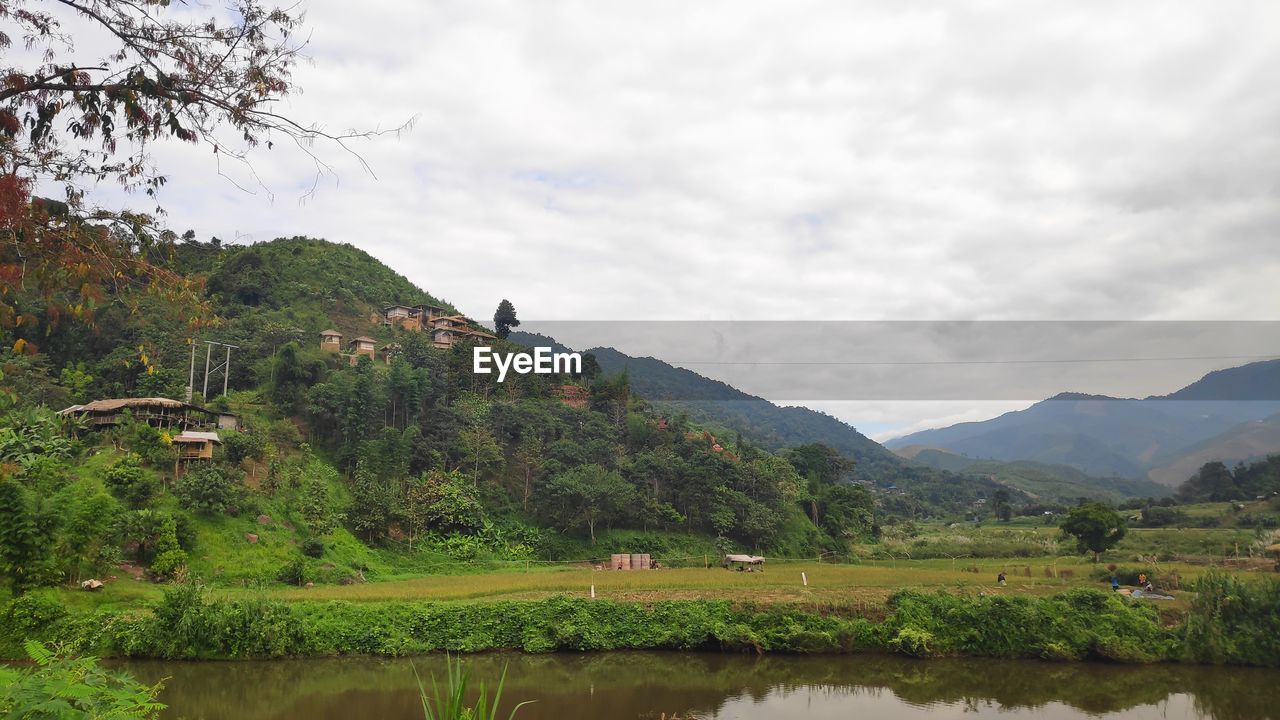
(1223, 625)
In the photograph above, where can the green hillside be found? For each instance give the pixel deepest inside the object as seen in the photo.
(1044, 483)
(345, 472)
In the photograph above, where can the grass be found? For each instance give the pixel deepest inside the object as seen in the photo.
(861, 588)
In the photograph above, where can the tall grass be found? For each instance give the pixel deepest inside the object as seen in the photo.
(450, 703)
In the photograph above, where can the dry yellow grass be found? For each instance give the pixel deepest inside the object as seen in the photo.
(833, 585)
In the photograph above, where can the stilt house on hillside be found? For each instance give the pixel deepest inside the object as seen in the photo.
(446, 329)
(157, 411)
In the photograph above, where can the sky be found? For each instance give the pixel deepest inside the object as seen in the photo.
(788, 161)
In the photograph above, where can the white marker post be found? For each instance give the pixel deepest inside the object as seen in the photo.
(593, 592)
(804, 578)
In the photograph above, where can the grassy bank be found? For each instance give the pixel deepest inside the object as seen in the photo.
(1231, 621)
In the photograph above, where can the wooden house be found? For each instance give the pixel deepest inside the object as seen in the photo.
(195, 445)
(363, 345)
(160, 412)
(331, 340)
(446, 329)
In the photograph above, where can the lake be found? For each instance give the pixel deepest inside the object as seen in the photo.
(706, 685)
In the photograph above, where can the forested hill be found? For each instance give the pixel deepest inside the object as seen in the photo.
(761, 421)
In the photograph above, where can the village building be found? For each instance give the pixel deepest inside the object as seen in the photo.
(445, 330)
(363, 345)
(156, 411)
(196, 445)
(331, 340)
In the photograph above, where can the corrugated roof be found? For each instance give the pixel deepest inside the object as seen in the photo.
(331, 332)
(364, 338)
(193, 436)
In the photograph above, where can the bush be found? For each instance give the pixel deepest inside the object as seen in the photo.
(1234, 621)
(293, 572)
(312, 548)
(131, 483)
(211, 490)
(31, 614)
(238, 446)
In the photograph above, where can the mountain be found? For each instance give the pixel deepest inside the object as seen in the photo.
(1042, 481)
(1129, 438)
(722, 405)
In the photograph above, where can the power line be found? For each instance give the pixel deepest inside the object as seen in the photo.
(974, 362)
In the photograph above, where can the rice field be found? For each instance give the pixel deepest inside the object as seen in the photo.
(864, 585)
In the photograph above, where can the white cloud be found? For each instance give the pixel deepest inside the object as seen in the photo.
(810, 160)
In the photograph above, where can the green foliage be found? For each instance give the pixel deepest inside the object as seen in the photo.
(170, 559)
(151, 444)
(504, 319)
(132, 483)
(443, 502)
(453, 703)
(584, 497)
(211, 490)
(238, 446)
(1095, 527)
(1233, 620)
(26, 435)
(56, 687)
(294, 572)
(24, 549)
(1213, 482)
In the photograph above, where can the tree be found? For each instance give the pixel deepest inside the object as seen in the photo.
(97, 87)
(584, 497)
(1095, 527)
(1213, 482)
(505, 319)
(211, 490)
(1001, 506)
(130, 482)
(23, 551)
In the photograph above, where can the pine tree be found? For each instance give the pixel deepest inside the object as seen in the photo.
(505, 319)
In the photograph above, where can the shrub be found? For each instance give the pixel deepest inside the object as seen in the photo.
(1234, 621)
(238, 446)
(312, 548)
(130, 482)
(293, 572)
(211, 490)
(29, 615)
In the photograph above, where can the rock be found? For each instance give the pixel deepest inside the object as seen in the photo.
(91, 584)
(251, 537)
(264, 519)
(346, 581)
(310, 585)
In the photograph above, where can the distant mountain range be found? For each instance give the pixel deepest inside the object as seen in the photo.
(1048, 483)
(1229, 415)
(728, 411)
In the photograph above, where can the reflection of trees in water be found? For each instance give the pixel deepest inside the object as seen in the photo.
(626, 684)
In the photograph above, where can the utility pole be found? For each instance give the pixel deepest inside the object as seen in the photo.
(191, 376)
(208, 349)
(226, 371)
(224, 366)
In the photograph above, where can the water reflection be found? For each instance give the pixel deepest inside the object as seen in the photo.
(646, 685)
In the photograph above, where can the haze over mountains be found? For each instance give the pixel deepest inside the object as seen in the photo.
(1228, 415)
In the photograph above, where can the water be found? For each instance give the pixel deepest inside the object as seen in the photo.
(647, 685)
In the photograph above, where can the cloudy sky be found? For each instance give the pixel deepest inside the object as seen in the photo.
(893, 160)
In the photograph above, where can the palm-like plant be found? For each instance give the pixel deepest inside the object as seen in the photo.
(449, 702)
